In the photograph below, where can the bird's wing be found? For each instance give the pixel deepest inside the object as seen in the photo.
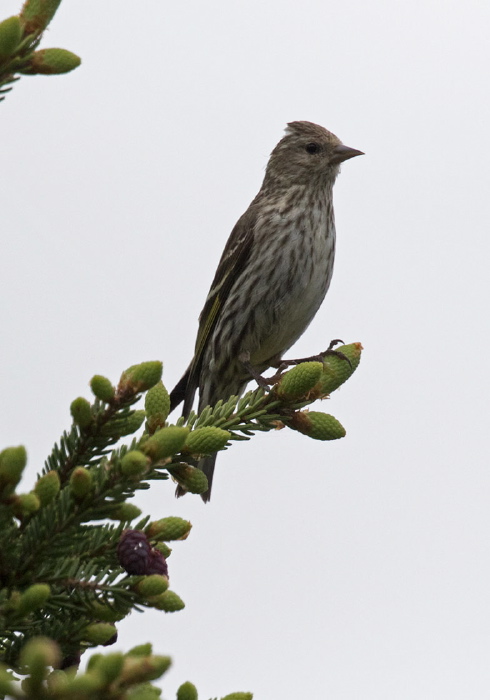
(233, 260)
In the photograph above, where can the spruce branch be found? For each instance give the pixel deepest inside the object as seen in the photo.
(20, 37)
(71, 566)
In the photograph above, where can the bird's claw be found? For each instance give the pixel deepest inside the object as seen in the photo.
(336, 353)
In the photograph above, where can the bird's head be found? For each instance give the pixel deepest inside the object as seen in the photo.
(306, 153)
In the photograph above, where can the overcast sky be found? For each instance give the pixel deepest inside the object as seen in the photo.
(352, 570)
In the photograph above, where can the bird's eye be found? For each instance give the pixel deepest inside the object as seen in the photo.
(312, 148)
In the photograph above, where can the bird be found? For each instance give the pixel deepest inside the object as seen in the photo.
(273, 275)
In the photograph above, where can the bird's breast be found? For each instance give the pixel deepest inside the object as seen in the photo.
(298, 265)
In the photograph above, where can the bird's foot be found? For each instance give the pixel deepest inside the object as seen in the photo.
(336, 353)
(284, 364)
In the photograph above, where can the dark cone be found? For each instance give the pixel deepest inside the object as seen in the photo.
(133, 552)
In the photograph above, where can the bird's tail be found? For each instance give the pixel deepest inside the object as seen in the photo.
(207, 466)
(208, 396)
(178, 393)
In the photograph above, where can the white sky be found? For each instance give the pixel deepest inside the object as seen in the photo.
(357, 569)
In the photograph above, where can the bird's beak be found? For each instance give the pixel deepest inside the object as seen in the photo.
(341, 153)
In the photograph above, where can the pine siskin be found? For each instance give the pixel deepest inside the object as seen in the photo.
(273, 275)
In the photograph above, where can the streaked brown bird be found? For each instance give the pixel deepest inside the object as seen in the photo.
(273, 275)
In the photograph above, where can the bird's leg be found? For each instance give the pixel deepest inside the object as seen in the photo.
(284, 364)
(244, 358)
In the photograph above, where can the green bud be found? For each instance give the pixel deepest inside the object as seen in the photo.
(141, 669)
(6, 680)
(37, 654)
(238, 696)
(157, 406)
(317, 425)
(156, 666)
(93, 661)
(81, 412)
(37, 14)
(10, 36)
(12, 463)
(125, 512)
(118, 427)
(191, 478)
(25, 504)
(81, 482)
(33, 598)
(206, 441)
(168, 529)
(84, 684)
(102, 388)
(98, 633)
(336, 370)
(168, 602)
(164, 549)
(152, 585)
(51, 62)
(187, 691)
(144, 691)
(166, 442)
(142, 377)
(57, 682)
(47, 487)
(141, 650)
(298, 382)
(6, 687)
(104, 613)
(134, 463)
(14, 600)
(109, 666)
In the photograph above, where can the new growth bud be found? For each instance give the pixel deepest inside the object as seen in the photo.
(336, 369)
(37, 655)
(33, 598)
(168, 529)
(126, 425)
(206, 441)
(142, 377)
(98, 633)
(81, 412)
(191, 478)
(12, 463)
(166, 442)
(134, 463)
(47, 487)
(25, 505)
(152, 585)
(108, 665)
(296, 384)
(125, 512)
(141, 669)
(157, 406)
(37, 14)
(168, 602)
(187, 691)
(51, 62)
(81, 482)
(317, 425)
(10, 36)
(102, 388)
